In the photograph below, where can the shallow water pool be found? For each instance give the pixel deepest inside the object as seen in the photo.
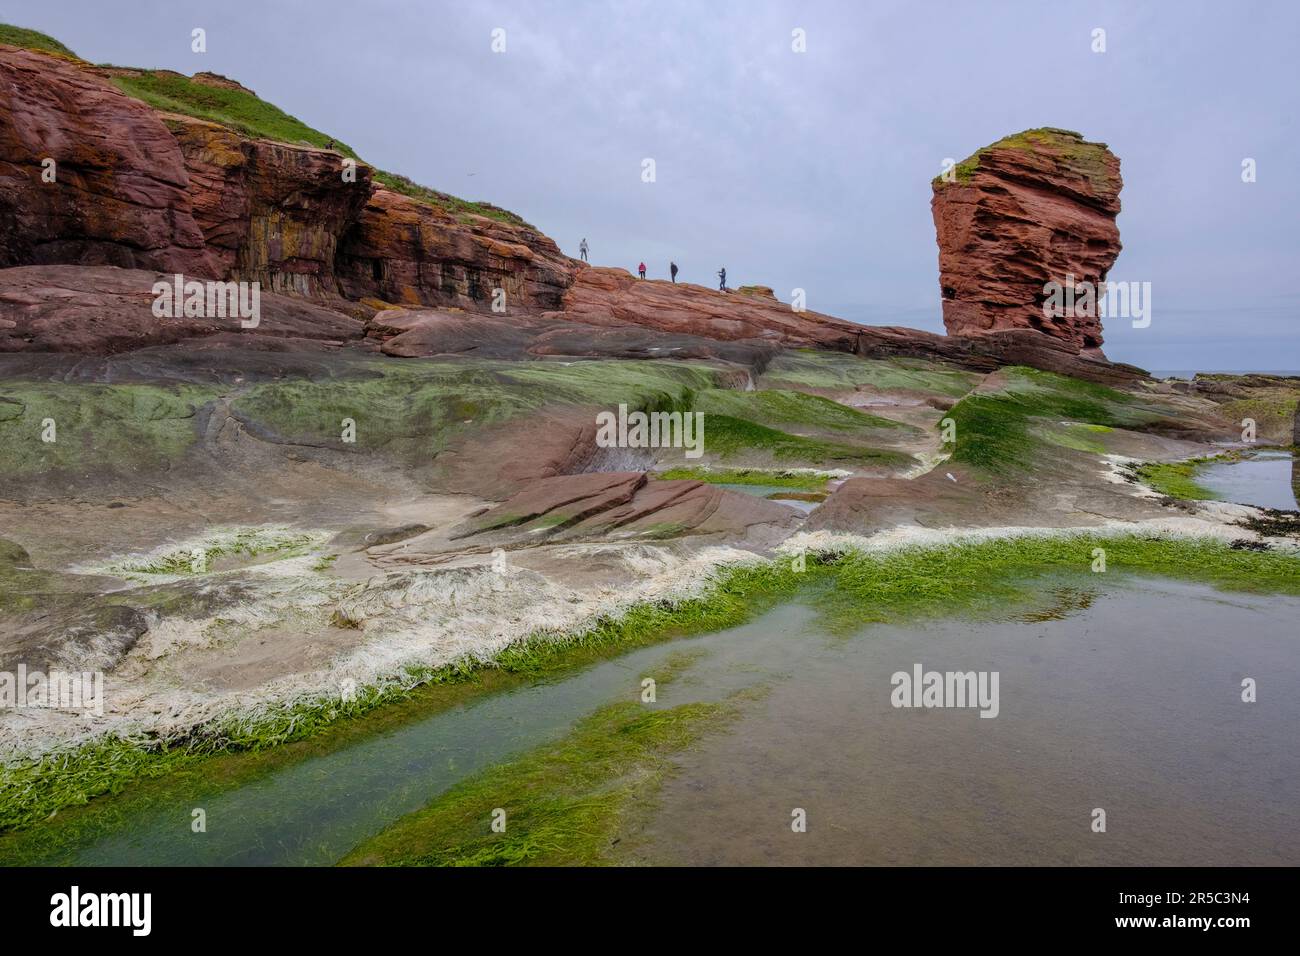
(1127, 700)
(1267, 479)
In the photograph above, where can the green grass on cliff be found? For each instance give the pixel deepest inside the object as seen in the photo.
(1072, 147)
(251, 116)
(254, 117)
(32, 40)
(239, 110)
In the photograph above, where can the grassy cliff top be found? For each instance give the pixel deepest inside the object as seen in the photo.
(1070, 145)
(239, 110)
(246, 113)
(32, 40)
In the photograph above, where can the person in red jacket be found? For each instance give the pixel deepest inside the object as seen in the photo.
(641, 269)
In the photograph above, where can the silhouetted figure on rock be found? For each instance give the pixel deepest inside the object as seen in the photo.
(722, 279)
(672, 268)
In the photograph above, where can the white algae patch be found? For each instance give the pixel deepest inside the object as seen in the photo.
(392, 622)
(212, 552)
(370, 627)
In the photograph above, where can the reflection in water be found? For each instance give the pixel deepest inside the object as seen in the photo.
(1267, 479)
(1128, 700)
(1132, 705)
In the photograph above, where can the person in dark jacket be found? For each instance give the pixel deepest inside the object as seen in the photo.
(672, 269)
(722, 279)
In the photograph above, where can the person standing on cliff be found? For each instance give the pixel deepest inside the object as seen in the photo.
(722, 279)
(641, 269)
(582, 248)
(672, 268)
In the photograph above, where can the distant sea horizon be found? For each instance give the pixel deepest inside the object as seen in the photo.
(1184, 373)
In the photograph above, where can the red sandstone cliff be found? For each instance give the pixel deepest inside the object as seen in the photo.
(408, 252)
(141, 189)
(167, 193)
(270, 212)
(119, 191)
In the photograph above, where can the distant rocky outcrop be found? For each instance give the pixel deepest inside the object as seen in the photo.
(1032, 208)
(611, 297)
(1270, 402)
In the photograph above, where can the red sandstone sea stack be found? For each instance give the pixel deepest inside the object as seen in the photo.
(1032, 208)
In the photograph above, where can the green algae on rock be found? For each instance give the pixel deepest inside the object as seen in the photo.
(987, 578)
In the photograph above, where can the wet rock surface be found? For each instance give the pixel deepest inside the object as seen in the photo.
(618, 504)
(102, 309)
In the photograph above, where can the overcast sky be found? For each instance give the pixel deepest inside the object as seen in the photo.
(807, 170)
